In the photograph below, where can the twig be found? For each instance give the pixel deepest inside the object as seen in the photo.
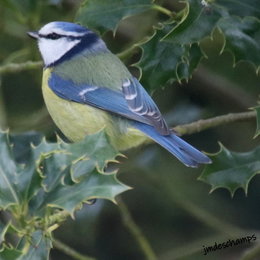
(18, 67)
(201, 125)
(70, 251)
(135, 231)
(163, 10)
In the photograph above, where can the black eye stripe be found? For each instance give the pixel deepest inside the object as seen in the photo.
(52, 36)
(55, 36)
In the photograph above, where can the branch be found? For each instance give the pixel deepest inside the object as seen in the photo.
(202, 125)
(18, 67)
(70, 251)
(135, 231)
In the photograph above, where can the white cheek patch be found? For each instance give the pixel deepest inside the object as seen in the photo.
(53, 50)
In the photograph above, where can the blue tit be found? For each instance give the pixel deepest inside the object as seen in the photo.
(86, 88)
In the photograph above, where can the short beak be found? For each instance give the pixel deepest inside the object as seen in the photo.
(34, 35)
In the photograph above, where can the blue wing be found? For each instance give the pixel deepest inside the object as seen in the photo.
(139, 102)
(113, 101)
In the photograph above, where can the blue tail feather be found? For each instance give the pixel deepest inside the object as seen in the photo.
(186, 153)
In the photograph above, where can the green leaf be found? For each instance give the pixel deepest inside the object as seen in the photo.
(242, 37)
(9, 253)
(163, 61)
(9, 194)
(53, 176)
(39, 249)
(3, 230)
(93, 186)
(231, 170)
(197, 23)
(54, 171)
(96, 147)
(190, 60)
(257, 109)
(79, 174)
(105, 15)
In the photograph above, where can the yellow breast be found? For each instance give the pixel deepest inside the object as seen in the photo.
(78, 120)
(74, 120)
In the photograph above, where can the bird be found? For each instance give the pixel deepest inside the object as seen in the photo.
(87, 88)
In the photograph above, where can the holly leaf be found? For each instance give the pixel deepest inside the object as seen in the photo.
(80, 175)
(39, 249)
(94, 185)
(189, 61)
(49, 177)
(9, 193)
(54, 171)
(9, 253)
(163, 61)
(197, 23)
(242, 37)
(105, 15)
(257, 109)
(231, 170)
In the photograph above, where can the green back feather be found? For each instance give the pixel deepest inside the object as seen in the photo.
(102, 69)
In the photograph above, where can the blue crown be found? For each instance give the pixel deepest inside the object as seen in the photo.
(71, 27)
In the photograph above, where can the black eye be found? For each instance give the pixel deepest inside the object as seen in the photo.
(53, 36)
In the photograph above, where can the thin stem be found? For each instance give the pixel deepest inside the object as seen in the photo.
(163, 10)
(135, 231)
(252, 254)
(201, 125)
(70, 251)
(18, 67)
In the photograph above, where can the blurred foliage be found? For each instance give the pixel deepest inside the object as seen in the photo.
(210, 48)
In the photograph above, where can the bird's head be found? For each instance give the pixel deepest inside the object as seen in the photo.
(60, 41)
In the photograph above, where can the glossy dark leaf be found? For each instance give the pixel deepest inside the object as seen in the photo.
(198, 22)
(39, 249)
(163, 61)
(54, 171)
(231, 170)
(242, 37)
(9, 253)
